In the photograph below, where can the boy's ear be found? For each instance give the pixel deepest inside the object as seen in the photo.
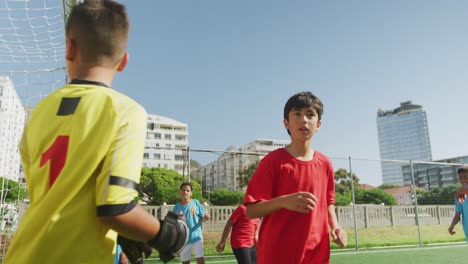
(319, 124)
(286, 123)
(123, 62)
(70, 50)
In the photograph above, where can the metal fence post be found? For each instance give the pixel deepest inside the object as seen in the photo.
(416, 213)
(354, 205)
(392, 216)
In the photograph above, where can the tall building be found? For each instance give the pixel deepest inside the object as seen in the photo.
(403, 135)
(224, 173)
(166, 144)
(12, 119)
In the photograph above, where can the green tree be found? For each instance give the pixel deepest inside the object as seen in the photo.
(246, 174)
(388, 186)
(226, 197)
(343, 199)
(194, 164)
(374, 196)
(158, 185)
(439, 195)
(12, 190)
(343, 182)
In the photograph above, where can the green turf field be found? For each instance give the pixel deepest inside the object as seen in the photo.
(441, 254)
(434, 254)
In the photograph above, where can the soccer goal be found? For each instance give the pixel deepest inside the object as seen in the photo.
(32, 64)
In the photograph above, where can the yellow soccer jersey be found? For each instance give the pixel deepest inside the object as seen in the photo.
(82, 151)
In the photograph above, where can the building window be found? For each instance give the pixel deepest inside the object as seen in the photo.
(168, 145)
(145, 155)
(179, 157)
(157, 156)
(167, 136)
(157, 135)
(179, 137)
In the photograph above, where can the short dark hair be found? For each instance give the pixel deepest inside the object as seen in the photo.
(303, 100)
(462, 169)
(186, 184)
(100, 29)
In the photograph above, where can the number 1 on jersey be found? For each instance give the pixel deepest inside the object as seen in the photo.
(57, 154)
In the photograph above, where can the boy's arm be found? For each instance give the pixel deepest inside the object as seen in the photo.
(455, 220)
(226, 231)
(338, 235)
(137, 224)
(302, 202)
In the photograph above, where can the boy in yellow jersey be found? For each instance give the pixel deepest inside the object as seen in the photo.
(82, 152)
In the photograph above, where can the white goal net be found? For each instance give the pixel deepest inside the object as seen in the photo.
(32, 64)
(32, 46)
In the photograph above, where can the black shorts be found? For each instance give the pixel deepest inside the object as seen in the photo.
(245, 255)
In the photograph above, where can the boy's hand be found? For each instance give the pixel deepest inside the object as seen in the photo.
(207, 216)
(220, 246)
(461, 197)
(340, 237)
(302, 202)
(461, 194)
(172, 237)
(451, 231)
(134, 251)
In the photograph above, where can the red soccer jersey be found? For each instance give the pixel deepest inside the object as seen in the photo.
(288, 236)
(243, 229)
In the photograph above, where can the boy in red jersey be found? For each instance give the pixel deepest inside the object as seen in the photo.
(243, 236)
(82, 152)
(293, 190)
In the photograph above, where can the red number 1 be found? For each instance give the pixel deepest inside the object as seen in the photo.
(57, 154)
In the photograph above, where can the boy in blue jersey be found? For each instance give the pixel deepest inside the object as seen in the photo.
(192, 212)
(461, 207)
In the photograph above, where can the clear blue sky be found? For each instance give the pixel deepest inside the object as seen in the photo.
(226, 68)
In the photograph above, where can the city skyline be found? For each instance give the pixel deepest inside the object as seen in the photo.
(226, 68)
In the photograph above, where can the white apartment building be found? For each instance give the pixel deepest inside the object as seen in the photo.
(224, 172)
(166, 144)
(12, 120)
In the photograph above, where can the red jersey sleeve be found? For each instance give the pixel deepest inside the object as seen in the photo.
(236, 214)
(261, 186)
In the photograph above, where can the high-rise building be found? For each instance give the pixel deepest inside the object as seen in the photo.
(12, 119)
(166, 144)
(403, 135)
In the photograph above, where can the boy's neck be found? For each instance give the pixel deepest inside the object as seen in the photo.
(300, 150)
(186, 201)
(95, 73)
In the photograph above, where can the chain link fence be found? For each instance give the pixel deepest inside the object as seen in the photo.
(367, 225)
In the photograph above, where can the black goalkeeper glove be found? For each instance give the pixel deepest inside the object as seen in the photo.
(135, 251)
(172, 237)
